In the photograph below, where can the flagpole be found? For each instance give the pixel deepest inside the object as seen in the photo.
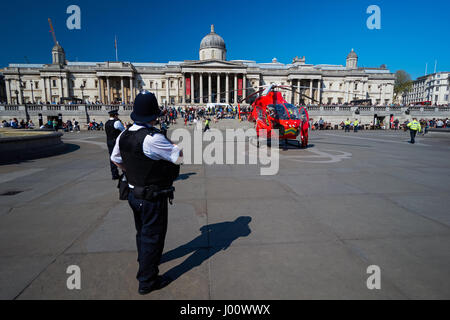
(115, 45)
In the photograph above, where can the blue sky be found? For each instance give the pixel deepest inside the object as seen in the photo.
(412, 32)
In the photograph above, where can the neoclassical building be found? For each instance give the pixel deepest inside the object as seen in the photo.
(211, 78)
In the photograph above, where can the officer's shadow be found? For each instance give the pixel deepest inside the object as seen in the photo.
(214, 238)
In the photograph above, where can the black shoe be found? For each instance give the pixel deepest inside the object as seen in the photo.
(159, 283)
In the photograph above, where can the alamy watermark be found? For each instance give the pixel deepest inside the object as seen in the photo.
(374, 280)
(74, 280)
(74, 20)
(374, 20)
(210, 147)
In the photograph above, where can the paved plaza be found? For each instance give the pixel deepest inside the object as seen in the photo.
(349, 201)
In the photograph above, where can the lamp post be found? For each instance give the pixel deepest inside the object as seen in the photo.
(17, 96)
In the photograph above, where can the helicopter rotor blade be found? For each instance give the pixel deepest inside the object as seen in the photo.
(334, 91)
(302, 94)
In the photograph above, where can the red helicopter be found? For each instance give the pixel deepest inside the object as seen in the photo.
(270, 112)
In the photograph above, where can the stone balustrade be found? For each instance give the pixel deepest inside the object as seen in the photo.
(332, 113)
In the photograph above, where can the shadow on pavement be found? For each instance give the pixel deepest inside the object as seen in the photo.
(221, 234)
(184, 176)
(32, 154)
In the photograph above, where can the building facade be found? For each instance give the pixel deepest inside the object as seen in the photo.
(432, 88)
(195, 82)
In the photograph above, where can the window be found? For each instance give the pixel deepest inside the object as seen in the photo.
(356, 86)
(446, 97)
(53, 83)
(96, 84)
(151, 84)
(171, 84)
(163, 84)
(36, 84)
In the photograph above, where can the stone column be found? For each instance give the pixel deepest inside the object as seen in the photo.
(8, 91)
(235, 88)
(177, 90)
(167, 90)
(184, 88)
(201, 87)
(346, 92)
(311, 91)
(218, 88)
(227, 89)
(244, 86)
(60, 88)
(99, 87)
(299, 90)
(108, 89)
(209, 88)
(67, 88)
(131, 89)
(122, 89)
(319, 90)
(192, 89)
(44, 90)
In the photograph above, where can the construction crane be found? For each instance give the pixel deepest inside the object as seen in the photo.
(52, 31)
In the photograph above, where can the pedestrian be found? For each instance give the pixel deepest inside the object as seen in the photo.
(414, 127)
(206, 125)
(55, 124)
(149, 160)
(113, 128)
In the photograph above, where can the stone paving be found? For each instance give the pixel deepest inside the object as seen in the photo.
(349, 201)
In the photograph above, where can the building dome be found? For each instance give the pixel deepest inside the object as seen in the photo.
(212, 46)
(58, 55)
(352, 54)
(212, 40)
(352, 60)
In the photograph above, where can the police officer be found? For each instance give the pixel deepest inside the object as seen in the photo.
(347, 125)
(355, 125)
(414, 127)
(148, 159)
(113, 128)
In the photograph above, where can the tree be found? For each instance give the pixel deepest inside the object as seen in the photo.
(402, 82)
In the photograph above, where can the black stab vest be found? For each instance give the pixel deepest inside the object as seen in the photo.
(141, 170)
(111, 132)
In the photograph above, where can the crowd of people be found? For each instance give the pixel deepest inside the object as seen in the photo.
(15, 124)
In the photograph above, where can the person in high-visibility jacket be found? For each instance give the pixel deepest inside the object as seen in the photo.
(347, 125)
(355, 125)
(414, 127)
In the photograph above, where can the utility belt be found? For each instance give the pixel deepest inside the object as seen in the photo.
(152, 193)
(149, 193)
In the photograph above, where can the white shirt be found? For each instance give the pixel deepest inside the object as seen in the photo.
(156, 147)
(118, 125)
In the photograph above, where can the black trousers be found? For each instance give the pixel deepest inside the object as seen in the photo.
(114, 170)
(412, 133)
(150, 218)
